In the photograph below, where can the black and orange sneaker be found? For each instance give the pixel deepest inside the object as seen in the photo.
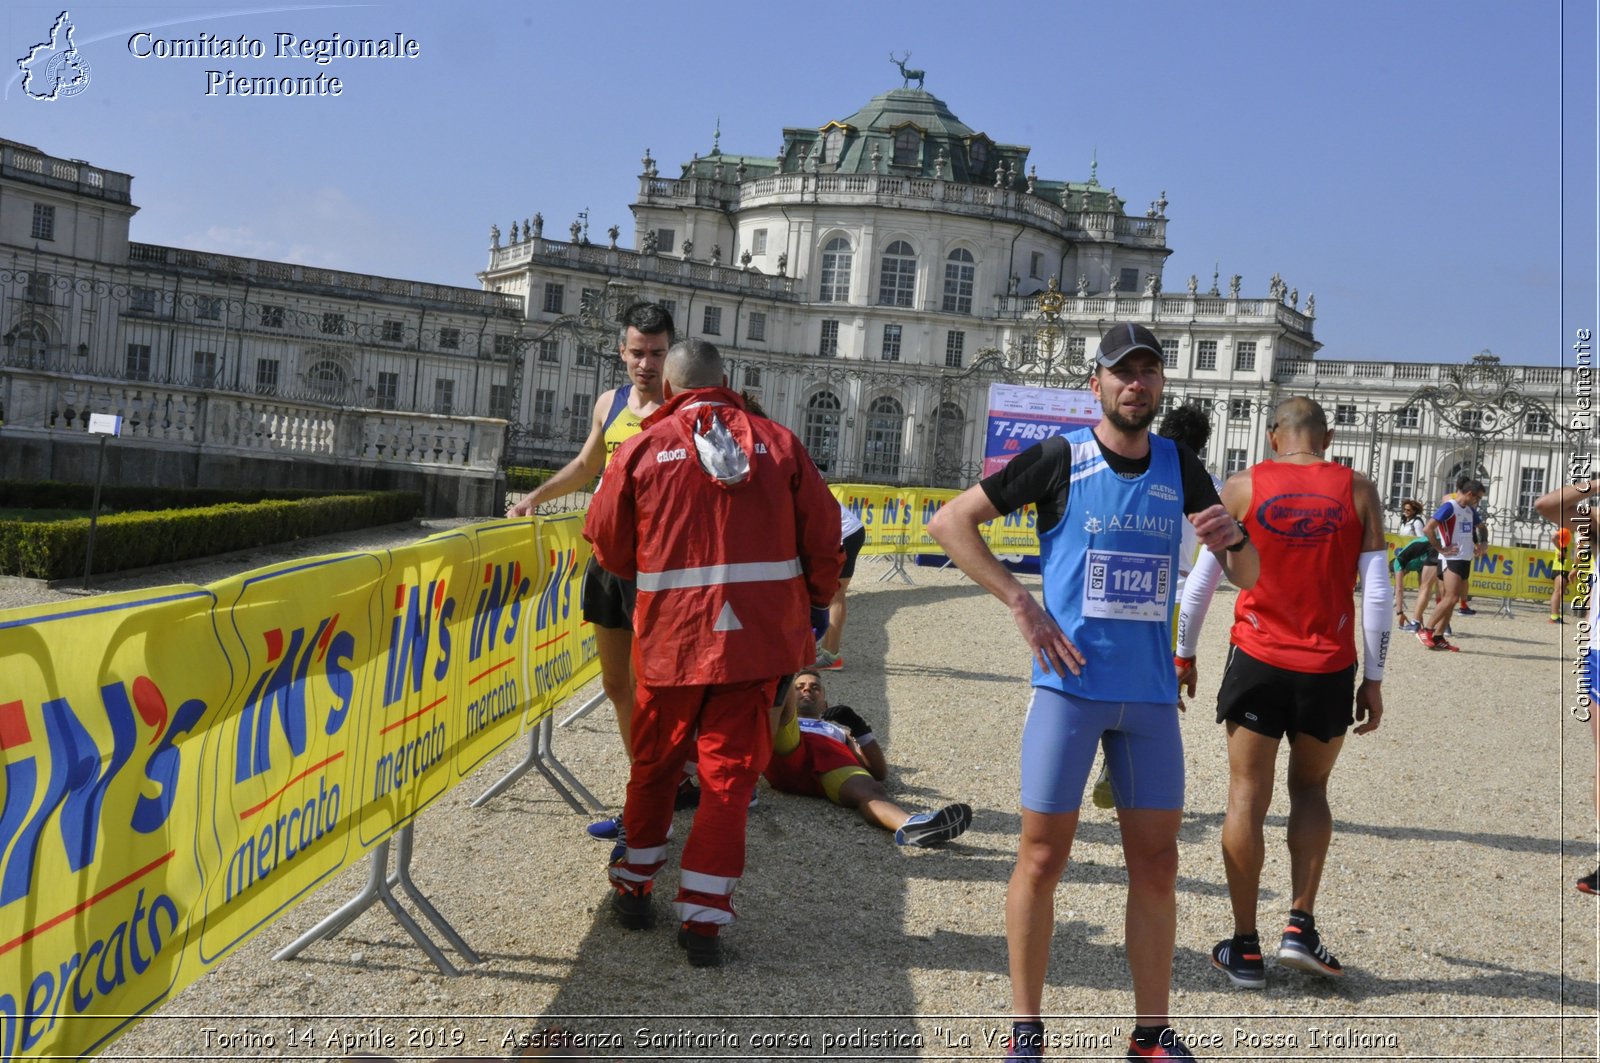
(1240, 959)
(1165, 1046)
(1302, 949)
(1589, 883)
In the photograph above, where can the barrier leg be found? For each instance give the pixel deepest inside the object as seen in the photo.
(546, 755)
(897, 567)
(402, 878)
(525, 765)
(586, 708)
(376, 889)
(1505, 609)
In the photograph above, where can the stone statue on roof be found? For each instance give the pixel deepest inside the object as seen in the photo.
(1083, 285)
(516, 237)
(1194, 284)
(1233, 285)
(1311, 305)
(538, 225)
(650, 242)
(906, 76)
(614, 232)
(494, 237)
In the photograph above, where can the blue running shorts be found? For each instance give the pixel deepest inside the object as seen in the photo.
(1144, 751)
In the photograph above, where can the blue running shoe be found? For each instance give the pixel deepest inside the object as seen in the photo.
(1302, 949)
(605, 830)
(1241, 961)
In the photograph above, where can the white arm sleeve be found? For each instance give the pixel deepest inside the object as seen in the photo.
(1377, 605)
(1197, 592)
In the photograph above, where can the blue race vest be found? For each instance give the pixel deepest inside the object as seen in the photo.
(1109, 568)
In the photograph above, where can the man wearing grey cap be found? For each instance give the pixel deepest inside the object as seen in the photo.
(1111, 501)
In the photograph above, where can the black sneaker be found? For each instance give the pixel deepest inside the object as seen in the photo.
(705, 950)
(1466, 610)
(935, 828)
(633, 909)
(1589, 883)
(688, 796)
(1302, 949)
(1240, 959)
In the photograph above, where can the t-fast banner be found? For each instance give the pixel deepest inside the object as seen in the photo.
(1021, 416)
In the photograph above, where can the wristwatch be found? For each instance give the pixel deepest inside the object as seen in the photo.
(1244, 537)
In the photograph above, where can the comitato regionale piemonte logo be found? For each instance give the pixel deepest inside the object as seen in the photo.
(55, 69)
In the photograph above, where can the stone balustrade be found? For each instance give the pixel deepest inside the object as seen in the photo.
(950, 197)
(47, 404)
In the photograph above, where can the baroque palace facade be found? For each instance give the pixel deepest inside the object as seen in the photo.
(867, 283)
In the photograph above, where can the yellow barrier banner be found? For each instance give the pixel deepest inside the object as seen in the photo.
(926, 501)
(182, 766)
(284, 758)
(887, 514)
(508, 577)
(1511, 571)
(561, 645)
(102, 711)
(1014, 533)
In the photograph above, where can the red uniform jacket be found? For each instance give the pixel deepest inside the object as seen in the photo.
(730, 535)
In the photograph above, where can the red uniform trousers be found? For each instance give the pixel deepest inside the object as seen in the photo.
(725, 726)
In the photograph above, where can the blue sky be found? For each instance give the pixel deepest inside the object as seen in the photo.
(1427, 169)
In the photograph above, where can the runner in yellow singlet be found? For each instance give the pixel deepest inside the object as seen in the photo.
(647, 332)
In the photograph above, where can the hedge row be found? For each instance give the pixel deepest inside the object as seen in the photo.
(55, 550)
(51, 494)
(521, 478)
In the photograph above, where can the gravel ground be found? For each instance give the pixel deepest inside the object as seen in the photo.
(1461, 824)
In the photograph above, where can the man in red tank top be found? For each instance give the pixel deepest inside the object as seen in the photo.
(1291, 669)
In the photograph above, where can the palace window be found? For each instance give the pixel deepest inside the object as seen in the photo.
(332, 324)
(1344, 413)
(820, 430)
(891, 343)
(711, 323)
(1530, 485)
(1244, 357)
(555, 295)
(136, 366)
(203, 369)
(756, 328)
(960, 272)
(393, 331)
(44, 222)
(1402, 481)
(907, 147)
(449, 339)
(271, 316)
(897, 276)
(828, 344)
(758, 242)
(266, 376)
(836, 262)
(885, 433)
(955, 342)
(387, 394)
(1238, 409)
(444, 396)
(1205, 356)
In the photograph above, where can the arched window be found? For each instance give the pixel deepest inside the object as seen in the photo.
(959, 273)
(897, 277)
(948, 455)
(836, 260)
(820, 432)
(880, 458)
(978, 157)
(326, 380)
(907, 147)
(30, 341)
(833, 145)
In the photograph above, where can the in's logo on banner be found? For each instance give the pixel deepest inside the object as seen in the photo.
(280, 692)
(54, 68)
(419, 626)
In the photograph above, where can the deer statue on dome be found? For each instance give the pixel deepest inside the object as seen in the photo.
(906, 76)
